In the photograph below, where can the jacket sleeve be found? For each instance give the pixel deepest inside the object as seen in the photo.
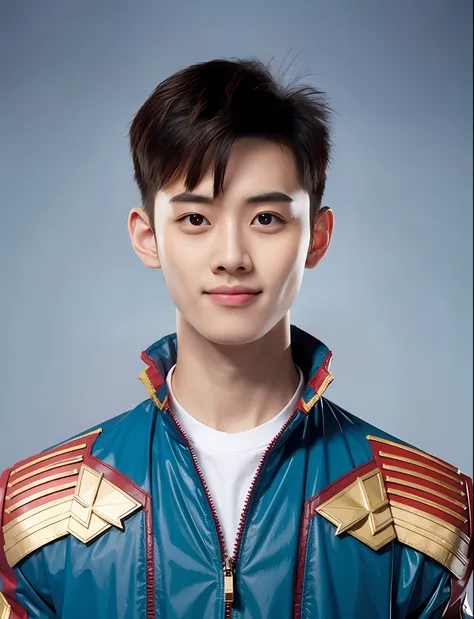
(18, 597)
(431, 502)
(426, 589)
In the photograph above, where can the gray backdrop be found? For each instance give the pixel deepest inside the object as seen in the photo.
(393, 297)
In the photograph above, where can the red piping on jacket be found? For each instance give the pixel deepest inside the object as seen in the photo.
(153, 374)
(205, 487)
(140, 495)
(157, 381)
(309, 512)
(243, 517)
(322, 373)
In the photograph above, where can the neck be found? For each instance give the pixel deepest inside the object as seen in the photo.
(234, 388)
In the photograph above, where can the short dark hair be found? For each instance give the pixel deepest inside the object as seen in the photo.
(191, 119)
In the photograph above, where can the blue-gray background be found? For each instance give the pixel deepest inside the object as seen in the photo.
(393, 297)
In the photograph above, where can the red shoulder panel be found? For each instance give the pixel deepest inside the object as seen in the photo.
(425, 489)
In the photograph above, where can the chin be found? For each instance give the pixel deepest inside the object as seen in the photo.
(234, 331)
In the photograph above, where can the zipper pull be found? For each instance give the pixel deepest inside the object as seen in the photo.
(228, 580)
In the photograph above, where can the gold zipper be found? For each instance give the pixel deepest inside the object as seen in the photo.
(229, 580)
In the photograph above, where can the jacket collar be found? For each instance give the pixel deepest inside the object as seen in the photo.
(309, 354)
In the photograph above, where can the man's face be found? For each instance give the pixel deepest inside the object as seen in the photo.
(256, 234)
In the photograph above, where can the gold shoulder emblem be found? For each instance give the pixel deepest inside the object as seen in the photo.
(61, 492)
(404, 494)
(358, 505)
(430, 501)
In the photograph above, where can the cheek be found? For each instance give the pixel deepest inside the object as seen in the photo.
(286, 258)
(179, 264)
(285, 272)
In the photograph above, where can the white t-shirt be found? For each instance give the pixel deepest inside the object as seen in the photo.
(229, 461)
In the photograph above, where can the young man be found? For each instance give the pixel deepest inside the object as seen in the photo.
(236, 490)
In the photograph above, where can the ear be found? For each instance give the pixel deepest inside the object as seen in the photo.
(143, 237)
(321, 237)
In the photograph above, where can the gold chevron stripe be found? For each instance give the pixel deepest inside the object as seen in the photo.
(49, 456)
(37, 540)
(431, 545)
(385, 454)
(433, 480)
(398, 508)
(41, 482)
(423, 501)
(415, 451)
(49, 467)
(21, 525)
(38, 495)
(34, 511)
(410, 484)
(61, 513)
(449, 546)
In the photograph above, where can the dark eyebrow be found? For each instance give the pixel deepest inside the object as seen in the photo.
(191, 197)
(269, 196)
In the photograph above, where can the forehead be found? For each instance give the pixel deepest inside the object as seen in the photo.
(254, 165)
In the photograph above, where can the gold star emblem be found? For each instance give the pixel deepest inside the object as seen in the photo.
(362, 510)
(97, 505)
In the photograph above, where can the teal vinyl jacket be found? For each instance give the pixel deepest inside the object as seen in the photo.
(118, 522)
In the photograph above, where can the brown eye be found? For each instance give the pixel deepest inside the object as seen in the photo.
(195, 219)
(265, 219)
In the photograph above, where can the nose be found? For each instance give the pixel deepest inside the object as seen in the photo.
(229, 251)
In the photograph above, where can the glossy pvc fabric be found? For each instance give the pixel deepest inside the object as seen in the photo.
(342, 577)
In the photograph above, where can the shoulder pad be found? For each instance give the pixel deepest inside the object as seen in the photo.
(59, 492)
(430, 501)
(405, 494)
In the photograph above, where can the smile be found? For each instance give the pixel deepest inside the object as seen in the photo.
(233, 299)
